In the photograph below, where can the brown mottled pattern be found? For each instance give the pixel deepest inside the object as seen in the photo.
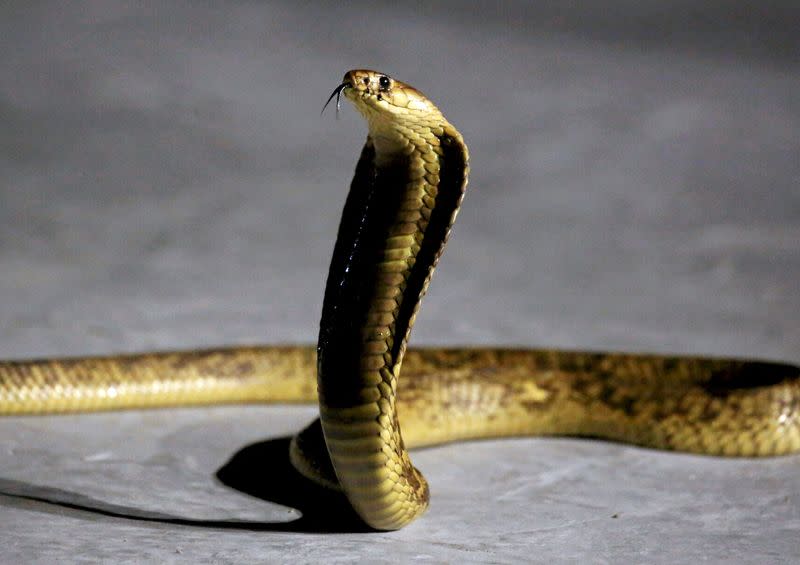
(701, 405)
(715, 406)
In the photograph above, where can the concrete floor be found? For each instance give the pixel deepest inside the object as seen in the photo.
(168, 183)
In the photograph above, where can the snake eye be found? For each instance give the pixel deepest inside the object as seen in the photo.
(384, 83)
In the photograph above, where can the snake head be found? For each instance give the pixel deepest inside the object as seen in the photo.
(377, 94)
(394, 110)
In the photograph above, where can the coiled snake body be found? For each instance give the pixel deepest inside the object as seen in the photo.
(406, 192)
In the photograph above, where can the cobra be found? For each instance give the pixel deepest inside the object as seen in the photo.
(408, 187)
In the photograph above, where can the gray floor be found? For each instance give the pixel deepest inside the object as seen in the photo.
(167, 182)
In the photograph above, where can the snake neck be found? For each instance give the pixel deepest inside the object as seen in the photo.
(396, 220)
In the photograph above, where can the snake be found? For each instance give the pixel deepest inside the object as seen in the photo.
(407, 189)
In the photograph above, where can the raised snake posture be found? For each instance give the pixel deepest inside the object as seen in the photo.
(407, 189)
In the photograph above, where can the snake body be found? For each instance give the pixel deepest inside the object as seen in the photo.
(405, 195)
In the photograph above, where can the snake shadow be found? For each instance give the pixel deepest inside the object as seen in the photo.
(261, 470)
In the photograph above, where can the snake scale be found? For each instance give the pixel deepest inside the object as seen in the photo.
(407, 189)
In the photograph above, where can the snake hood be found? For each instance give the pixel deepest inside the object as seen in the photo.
(403, 199)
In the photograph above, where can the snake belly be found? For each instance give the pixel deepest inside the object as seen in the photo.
(404, 197)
